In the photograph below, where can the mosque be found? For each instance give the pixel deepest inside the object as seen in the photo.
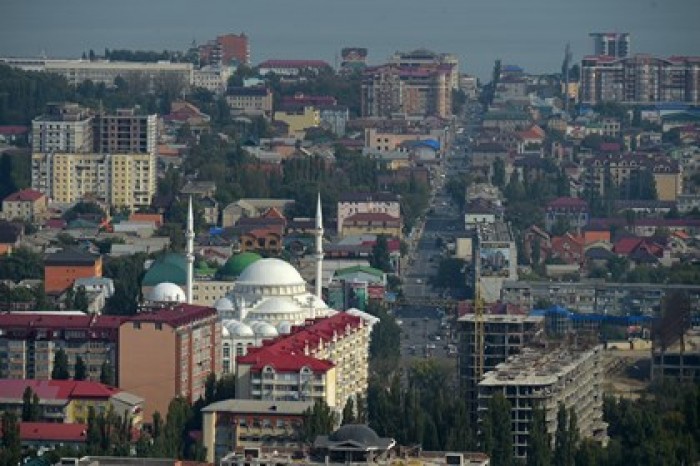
(266, 300)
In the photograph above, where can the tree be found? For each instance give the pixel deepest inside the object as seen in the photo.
(60, 369)
(497, 433)
(27, 404)
(349, 412)
(539, 448)
(80, 300)
(80, 369)
(107, 374)
(11, 452)
(565, 438)
(380, 255)
(499, 173)
(318, 420)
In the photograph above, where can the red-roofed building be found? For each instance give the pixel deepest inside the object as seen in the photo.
(35, 338)
(569, 248)
(569, 212)
(28, 205)
(50, 435)
(169, 352)
(323, 359)
(68, 401)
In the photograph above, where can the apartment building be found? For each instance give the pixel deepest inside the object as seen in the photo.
(29, 341)
(640, 79)
(611, 44)
(110, 158)
(298, 118)
(504, 336)
(372, 223)
(545, 379)
(679, 360)
(236, 425)
(495, 259)
(183, 346)
(226, 50)
(125, 132)
(69, 401)
(596, 296)
(667, 173)
(422, 58)
(29, 205)
(568, 211)
(65, 128)
(391, 89)
(364, 203)
(325, 359)
(250, 100)
(213, 78)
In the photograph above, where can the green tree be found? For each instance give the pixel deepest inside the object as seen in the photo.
(380, 255)
(565, 438)
(60, 369)
(11, 452)
(27, 404)
(349, 412)
(318, 420)
(80, 300)
(539, 448)
(497, 435)
(107, 374)
(499, 173)
(80, 369)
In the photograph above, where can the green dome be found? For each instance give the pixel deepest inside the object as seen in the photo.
(237, 264)
(171, 268)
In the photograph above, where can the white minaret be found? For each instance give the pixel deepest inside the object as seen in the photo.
(319, 248)
(189, 236)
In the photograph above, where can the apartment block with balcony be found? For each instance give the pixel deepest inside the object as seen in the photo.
(545, 379)
(125, 132)
(326, 359)
(29, 342)
(250, 100)
(169, 352)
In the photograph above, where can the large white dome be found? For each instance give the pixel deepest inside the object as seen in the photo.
(166, 292)
(270, 272)
(223, 304)
(275, 306)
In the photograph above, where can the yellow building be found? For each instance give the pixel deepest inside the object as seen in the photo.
(27, 204)
(299, 119)
(121, 180)
(372, 223)
(669, 184)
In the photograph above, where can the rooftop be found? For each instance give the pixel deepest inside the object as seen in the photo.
(12, 389)
(176, 316)
(259, 406)
(43, 431)
(24, 195)
(497, 231)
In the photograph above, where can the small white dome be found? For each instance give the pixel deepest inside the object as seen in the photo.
(284, 328)
(223, 304)
(224, 332)
(270, 272)
(166, 293)
(237, 329)
(263, 329)
(276, 306)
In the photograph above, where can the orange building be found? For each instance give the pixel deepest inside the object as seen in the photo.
(62, 268)
(169, 352)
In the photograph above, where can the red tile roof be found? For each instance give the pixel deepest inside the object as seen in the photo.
(371, 217)
(10, 130)
(176, 316)
(286, 353)
(52, 431)
(24, 195)
(56, 389)
(33, 321)
(568, 203)
(625, 246)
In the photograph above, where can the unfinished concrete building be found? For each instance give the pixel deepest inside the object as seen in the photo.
(679, 360)
(545, 378)
(504, 336)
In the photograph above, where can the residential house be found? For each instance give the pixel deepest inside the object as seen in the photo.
(361, 203)
(27, 205)
(252, 101)
(10, 236)
(568, 212)
(62, 268)
(376, 223)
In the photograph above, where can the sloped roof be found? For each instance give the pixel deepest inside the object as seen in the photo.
(171, 268)
(45, 431)
(24, 195)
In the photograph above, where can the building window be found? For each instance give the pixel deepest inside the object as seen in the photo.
(137, 325)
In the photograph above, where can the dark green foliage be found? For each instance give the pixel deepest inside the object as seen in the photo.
(10, 447)
(80, 300)
(349, 412)
(450, 273)
(60, 369)
(127, 273)
(31, 411)
(497, 431)
(385, 344)
(318, 420)
(23, 95)
(565, 440)
(380, 255)
(499, 173)
(22, 264)
(80, 369)
(107, 374)
(83, 208)
(539, 452)
(15, 171)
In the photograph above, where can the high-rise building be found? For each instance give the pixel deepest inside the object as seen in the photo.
(611, 44)
(495, 259)
(568, 376)
(504, 336)
(169, 352)
(109, 158)
(641, 79)
(125, 132)
(226, 49)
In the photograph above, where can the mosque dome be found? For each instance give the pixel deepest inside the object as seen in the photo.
(224, 332)
(223, 304)
(166, 292)
(271, 272)
(284, 328)
(358, 433)
(263, 329)
(274, 305)
(238, 329)
(237, 264)
(171, 268)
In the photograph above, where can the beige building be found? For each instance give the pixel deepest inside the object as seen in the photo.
(299, 119)
(326, 359)
(63, 128)
(364, 203)
(28, 205)
(250, 100)
(208, 292)
(126, 180)
(545, 379)
(169, 352)
(372, 224)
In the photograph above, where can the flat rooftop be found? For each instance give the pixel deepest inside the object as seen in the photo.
(503, 318)
(538, 366)
(497, 231)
